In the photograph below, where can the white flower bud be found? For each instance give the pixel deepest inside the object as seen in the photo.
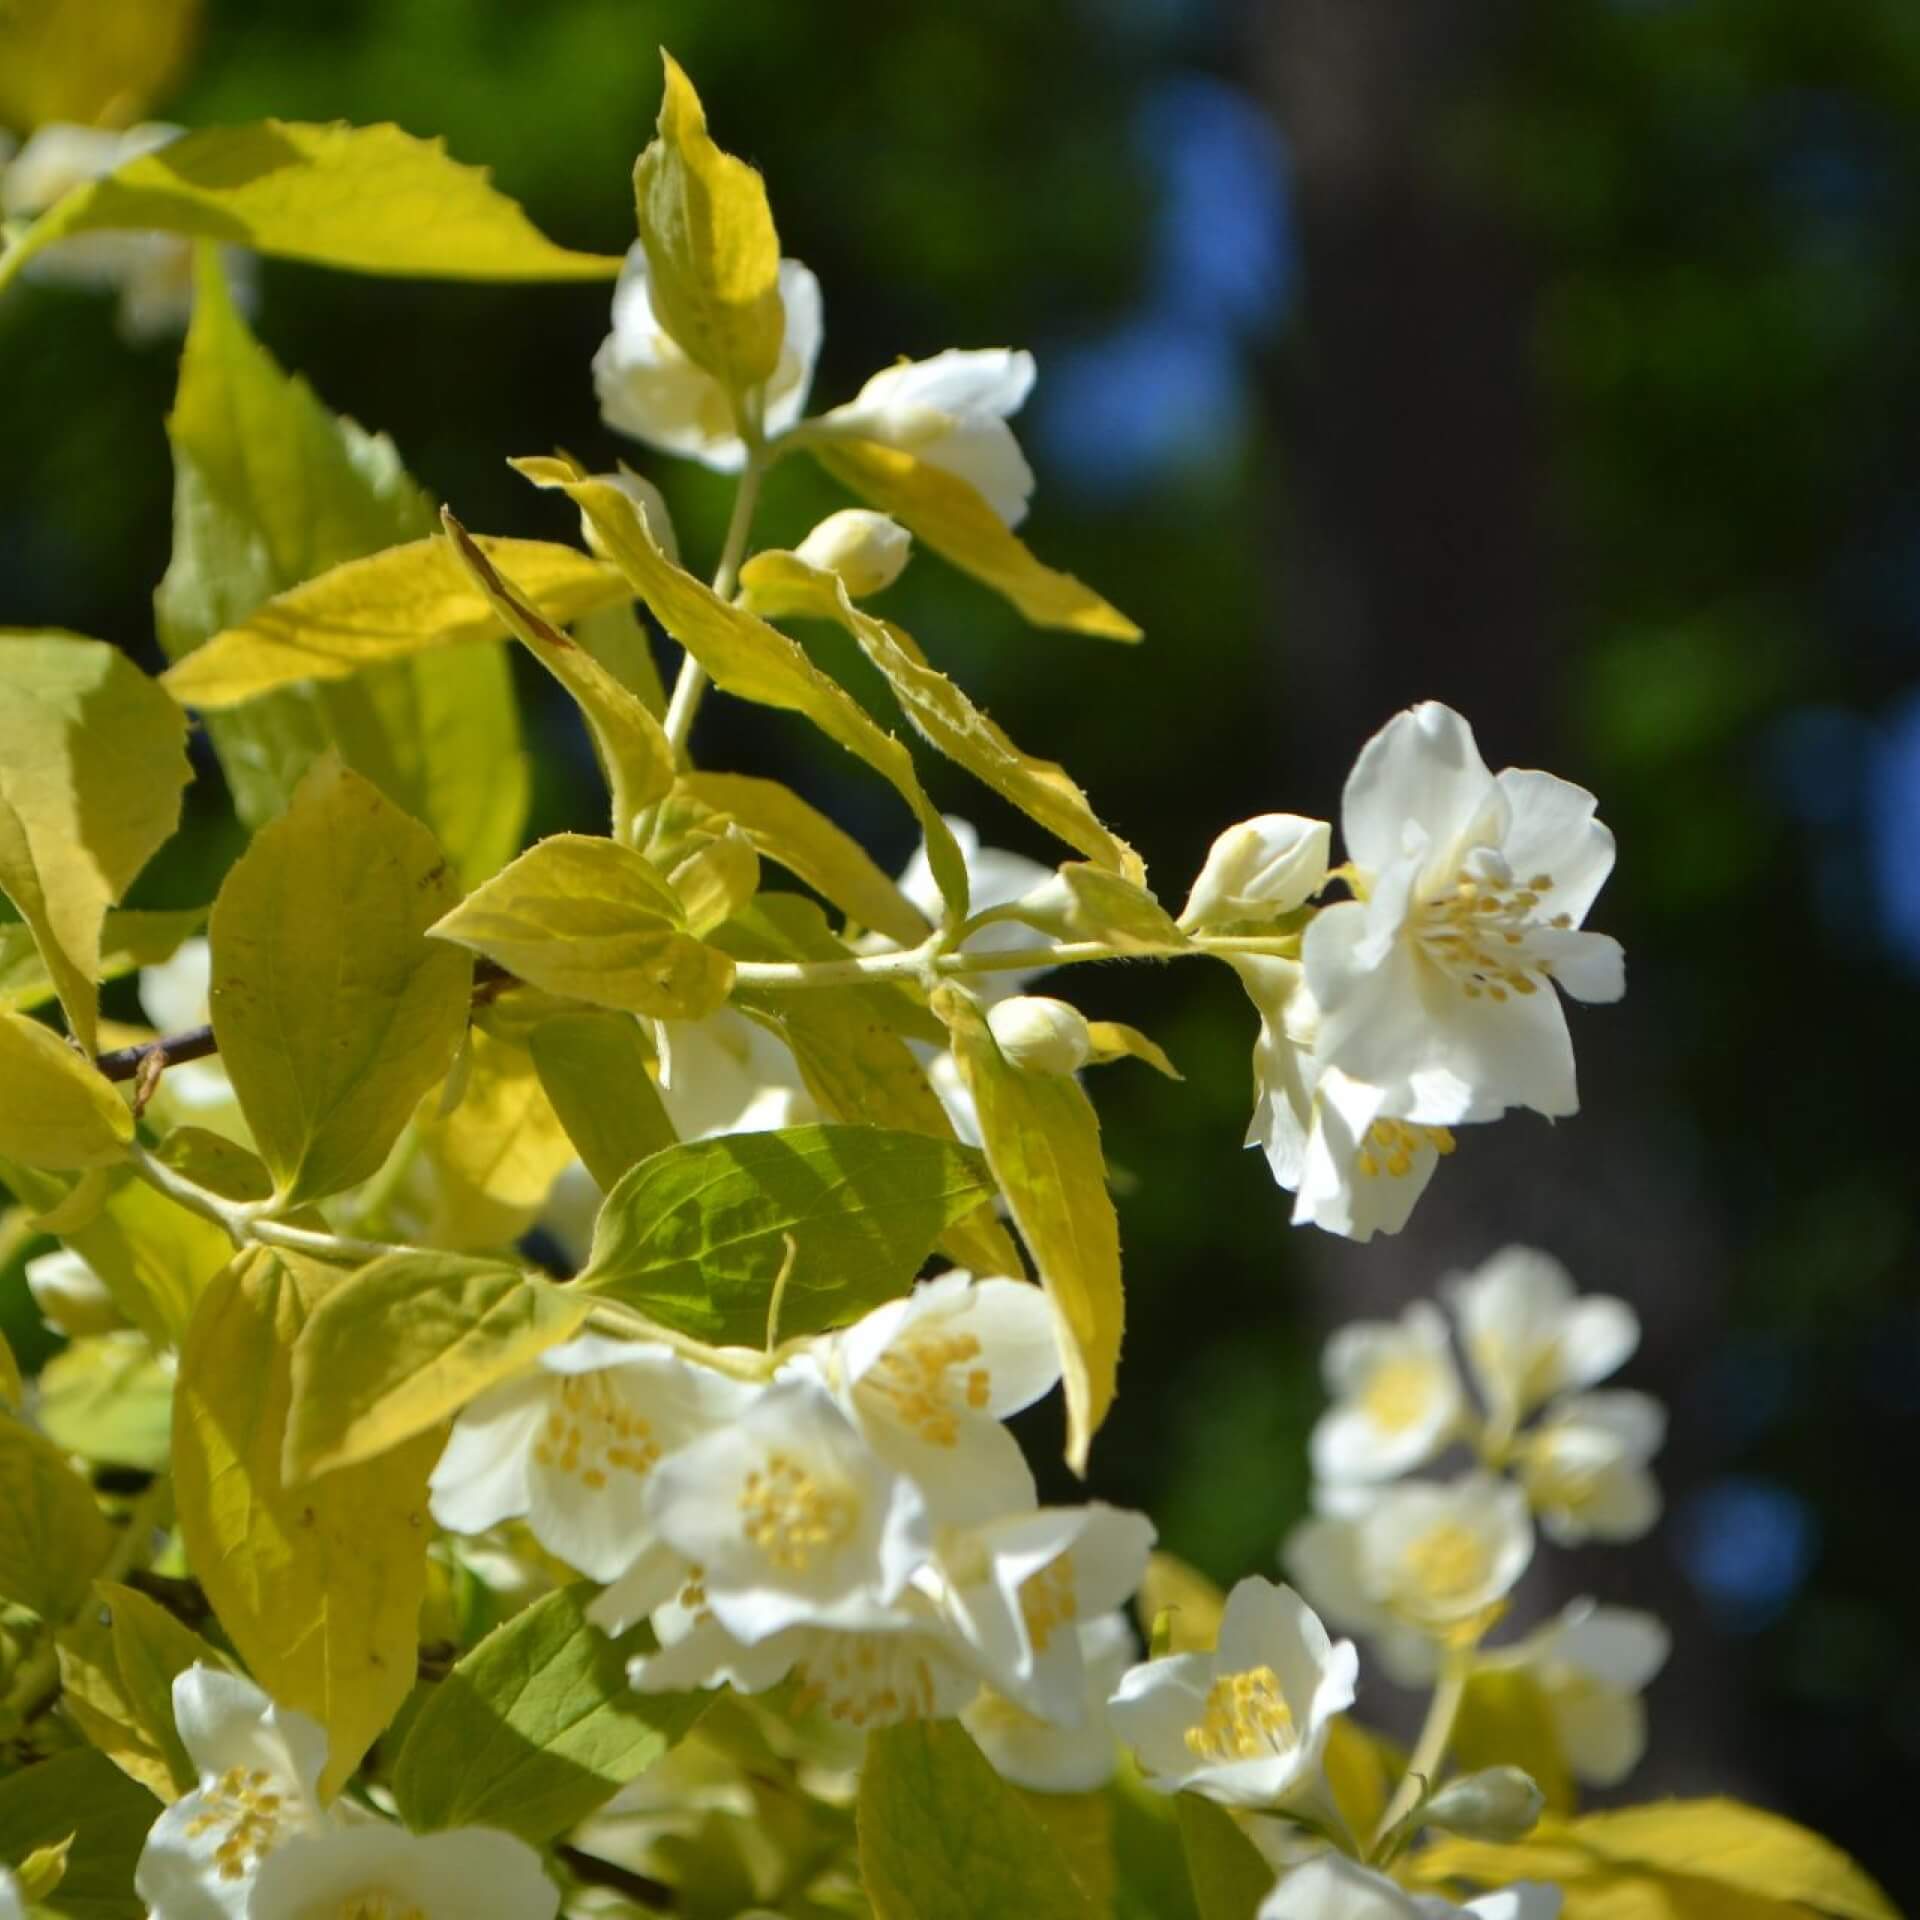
(653, 510)
(72, 1298)
(1047, 1036)
(1259, 870)
(1501, 1803)
(867, 550)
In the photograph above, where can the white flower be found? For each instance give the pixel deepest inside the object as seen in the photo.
(13, 1904)
(1332, 1887)
(1049, 1758)
(1527, 1336)
(1585, 1467)
(1436, 982)
(573, 1206)
(259, 1768)
(385, 1873)
(72, 1298)
(1397, 1399)
(1043, 1034)
(728, 1074)
(572, 1446)
(1246, 1724)
(1259, 870)
(1016, 1588)
(1419, 1554)
(866, 549)
(791, 1517)
(650, 389)
(929, 1377)
(951, 412)
(1592, 1664)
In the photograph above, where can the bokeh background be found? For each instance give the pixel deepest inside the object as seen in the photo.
(1559, 362)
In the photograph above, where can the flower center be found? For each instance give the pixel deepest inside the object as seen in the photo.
(376, 1903)
(867, 1679)
(246, 1804)
(927, 1383)
(1390, 1146)
(1048, 1601)
(592, 1434)
(1448, 1564)
(790, 1516)
(1479, 932)
(1397, 1394)
(1246, 1717)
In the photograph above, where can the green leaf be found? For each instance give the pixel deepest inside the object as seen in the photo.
(271, 489)
(151, 1647)
(750, 659)
(950, 517)
(943, 1837)
(1043, 1144)
(129, 939)
(370, 199)
(56, 1111)
(52, 1534)
(536, 1727)
(1229, 1874)
(596, 1070)
(109, 1397)
(698, 1234)
(94, 1698)
(92, 764)
(592, 920)
(81, 1795)
(13, 1389)
(333, 1011)
(627, 737)
(713, 258)
(405, 1343)
(782, 585)
(318, 1585)
(804, 841)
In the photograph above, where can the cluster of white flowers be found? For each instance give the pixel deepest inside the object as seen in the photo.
(1415, 1564)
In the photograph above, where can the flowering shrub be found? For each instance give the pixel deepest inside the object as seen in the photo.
(359, 1562)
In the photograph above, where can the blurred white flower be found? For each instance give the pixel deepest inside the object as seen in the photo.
(1332, 1887)
(13, 1904)
(951, 412)
(648, 388)
(382, 1872)
(1435, 983)
(1528, 1337)
(1259, 870)
(728, 1074)
(1585, 1467)
(1497, 1803)
(1046, 1758)
(867, 550)
(1247, 1723)
(72, 1298)
(1397, 1400)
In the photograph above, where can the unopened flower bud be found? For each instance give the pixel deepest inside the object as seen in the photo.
(867, 550)
(653, 510)
(1259, 870)
(1501, 1803)
(1043, 1035)
(72, 1298)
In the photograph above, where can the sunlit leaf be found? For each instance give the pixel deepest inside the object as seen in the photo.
(52, 1535)
(92, 62)
(55, 1110)
(109, 1397)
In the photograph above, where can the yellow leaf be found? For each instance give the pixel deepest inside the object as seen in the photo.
(1504, 1720)
(713, 258)
(1190, 1601)
(402, 601)
(1043, 1145)
(55, 1110)
(405, 1343)
(13, 1390)
(93, 1695)
(130, 939)
(96, 62)
(318, 1586)
(1114, 1040)
(92, 764)
(370, 199)
(151, 1647)
(750, 659)
(596, 1070)
(591, 919)
(333, 1011)
(52, 1535)
(633, 750)
(782, 585)
(952, 518)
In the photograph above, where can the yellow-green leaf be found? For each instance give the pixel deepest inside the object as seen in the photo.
(92, 764)
(713, 258)
(1113, 1040)
(536, 1726)
(82, 1799)
(101, 63)
(13, 1389)
(55, 1110)
(109, 1397)
(129, 939)
(318, 1585)
(597, 1072)
(52, 1534)
(1085, 902)
(405, 1343)
(1229, 1874)
(952, 519)
(1504, 1720)
(333, 1011)
(94, 1697)
(750, 659)
(408, 599)
(632, 748)
(151, 1647)
(370, 199)
(782, 585)
(1043, 1144)
(591, 919)
(943, 1837)
(804, 841)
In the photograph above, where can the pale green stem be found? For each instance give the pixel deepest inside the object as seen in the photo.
(1430, 1749)
(691, 682)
